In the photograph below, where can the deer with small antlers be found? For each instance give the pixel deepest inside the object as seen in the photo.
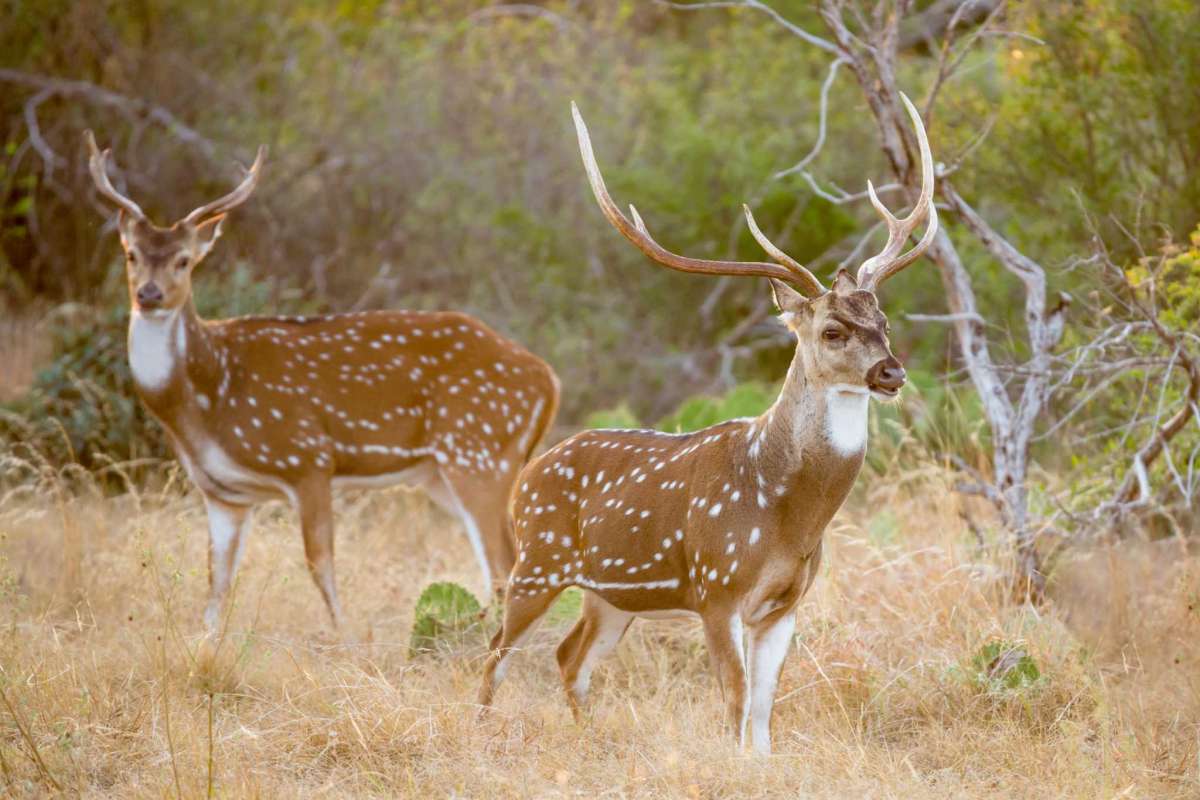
(291, 407)
(724, 523)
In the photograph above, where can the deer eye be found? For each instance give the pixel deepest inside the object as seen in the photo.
(833, 335)
(182, 263)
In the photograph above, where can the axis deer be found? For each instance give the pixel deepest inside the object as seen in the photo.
(291, 407)
(725, 523)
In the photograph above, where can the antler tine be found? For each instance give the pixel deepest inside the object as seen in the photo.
(234, 198)
(635, 231)
(98, 166)
(809, 283)
(888, 262)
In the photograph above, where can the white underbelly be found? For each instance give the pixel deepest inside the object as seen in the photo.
(668, 613)
(211, 468)
(418, 475)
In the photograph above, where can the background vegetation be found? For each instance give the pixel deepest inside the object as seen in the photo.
(422, 156)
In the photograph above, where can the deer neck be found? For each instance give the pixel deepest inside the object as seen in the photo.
(814, 431)
(169, 354)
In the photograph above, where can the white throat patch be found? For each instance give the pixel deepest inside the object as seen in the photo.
(846, 409)
(155, 344)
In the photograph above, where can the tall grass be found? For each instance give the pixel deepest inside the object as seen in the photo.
(110, 692)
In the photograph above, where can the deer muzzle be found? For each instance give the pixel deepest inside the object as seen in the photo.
(886, 377)
(149, 296)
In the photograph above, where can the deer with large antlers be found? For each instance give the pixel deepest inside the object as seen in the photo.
(724, 523)
(290, 407)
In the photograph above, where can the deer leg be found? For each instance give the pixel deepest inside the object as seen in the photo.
(522, 612)
(769, 645)
(595, 635)
(484, 517)
(227, 526)
(723, 631)
(316, 524)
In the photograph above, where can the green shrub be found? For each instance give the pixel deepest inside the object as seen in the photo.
(446, 616)
(1001, 666)
(82, 408)
(567, 606)
(620, 417)
(700, 411)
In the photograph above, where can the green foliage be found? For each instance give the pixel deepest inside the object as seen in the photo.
(933, 417)
(82, 408)
(1173, 278)
(1097, 118)
(1001, 666)
(567, 606)
(1143, 397)
(745, 400)
(699, 411)
(446, 616)
(620, 417)
(412, 163)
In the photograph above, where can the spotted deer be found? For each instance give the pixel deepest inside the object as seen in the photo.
(291, 407)
(724, 523)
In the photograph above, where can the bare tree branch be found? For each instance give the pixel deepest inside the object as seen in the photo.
(129, 106)
(790, 27)
(821, 123)
(939, 20)
(965, 316)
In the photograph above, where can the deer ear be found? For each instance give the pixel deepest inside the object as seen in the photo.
(844, 282)
(207, 233)
(787, 299)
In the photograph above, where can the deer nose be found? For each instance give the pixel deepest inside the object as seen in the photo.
(149, 295)
(888, 375)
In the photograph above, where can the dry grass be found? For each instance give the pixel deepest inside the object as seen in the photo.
(107, 691)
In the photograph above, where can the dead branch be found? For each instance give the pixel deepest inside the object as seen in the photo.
(938, 21)
(755, 5)
(128, 106)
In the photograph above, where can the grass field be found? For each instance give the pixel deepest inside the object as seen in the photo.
(108, 693)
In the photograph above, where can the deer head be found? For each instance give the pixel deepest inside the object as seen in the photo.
(842, 335)
(159, 261)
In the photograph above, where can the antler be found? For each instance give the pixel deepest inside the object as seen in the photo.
(98, 165)
(635, 231)
(234, 198)
(888, 262)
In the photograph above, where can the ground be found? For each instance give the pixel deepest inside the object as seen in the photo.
(108, 692)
